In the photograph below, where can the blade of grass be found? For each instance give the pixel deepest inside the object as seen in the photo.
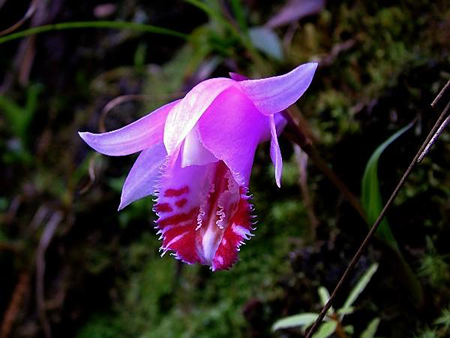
(121, 25)
(371, 194)
(304, 319)
(326, 330)
(360, 286)
(371, 329)
(239, 13)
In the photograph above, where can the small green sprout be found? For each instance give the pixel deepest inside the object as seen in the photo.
(334, 318)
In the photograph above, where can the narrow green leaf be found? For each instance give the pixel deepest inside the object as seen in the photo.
(360, 286)
(325, 330)
(19, 118)
(346, 310)
(444, 320)
(371, 194)
(213, 13)
(371, 329)
(13, 113)
(304, 319)
(239, 13)
(139, 57)
(94, 24)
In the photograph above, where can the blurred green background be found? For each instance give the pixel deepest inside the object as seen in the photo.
(72, 266)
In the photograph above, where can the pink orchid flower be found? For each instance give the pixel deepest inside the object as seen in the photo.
(196, 157)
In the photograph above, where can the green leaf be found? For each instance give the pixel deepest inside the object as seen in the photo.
(371, 194)
(349, 329)
(304, 319)
(19, 118)
(346, 310)
(122, 25)
(239, 13)
(139, 57)
(267, 42)
(324, 295)
(444, 320)
(371, 329)
(360, 286)
(212, 9)
(325, 330)
(13, 113)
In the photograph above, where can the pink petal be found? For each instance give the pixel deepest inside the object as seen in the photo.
(185, 115)
(280, 123)
(231, 129)
(132, 138)
(275, 152)
(274, 94)
(144, 175)
(203, 214)
(194, 152)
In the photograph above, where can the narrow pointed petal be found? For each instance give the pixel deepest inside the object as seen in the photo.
(203, 214)
(275, 152)
(132, 138)
(280, 123)
(274, 94)
(144, 175)
(231, 129)
(185, 115)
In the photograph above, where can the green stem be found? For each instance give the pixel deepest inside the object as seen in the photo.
(94, 24)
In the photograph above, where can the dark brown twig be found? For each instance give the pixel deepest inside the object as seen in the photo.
(115, 102)
(28, 14)
(441, 93)
(435, 137)
(46, 237)
(302, 162)
(375, 226)
(14, 305)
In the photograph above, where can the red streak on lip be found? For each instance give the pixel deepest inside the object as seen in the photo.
(163, 207)
(181, 203)
(179, 218)
(176, 192)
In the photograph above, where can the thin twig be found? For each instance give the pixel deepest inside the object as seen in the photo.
(46, 237)
(375, 226)
(302, 163)
(115, 102)
(436, 134)
(15, 303)
(19, 23)
(441, 93)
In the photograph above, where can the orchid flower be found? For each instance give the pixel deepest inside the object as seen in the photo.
(196, 156)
